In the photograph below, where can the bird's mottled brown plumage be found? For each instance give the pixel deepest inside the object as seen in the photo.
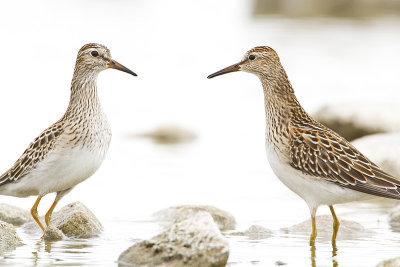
(36, 152)
(313, 161)
(313, 148)
(72, 149)
(320, 152)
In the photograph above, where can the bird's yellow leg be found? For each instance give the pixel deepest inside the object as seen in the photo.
(35, 213)
(47, 217)
(314, 231)
(336, 225)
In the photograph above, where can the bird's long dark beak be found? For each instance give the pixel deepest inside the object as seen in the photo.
(233, 68)
(115, 65)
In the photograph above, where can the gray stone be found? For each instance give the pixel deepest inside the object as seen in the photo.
(223, 219)
(383, 150)
(9, 239)
(255, 232)
(349, 230)
(354, 121)
(14, 215)
(170, 135)
(390, 263)
(195, 241)
(74, 220)
(52, 233)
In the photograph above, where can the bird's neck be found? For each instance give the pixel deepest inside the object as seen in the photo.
(84, 99)
(280, 102)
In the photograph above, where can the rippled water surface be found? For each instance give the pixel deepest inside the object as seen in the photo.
(173, 46)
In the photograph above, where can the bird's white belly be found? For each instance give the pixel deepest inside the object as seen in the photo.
(313, 190)
(59, 171)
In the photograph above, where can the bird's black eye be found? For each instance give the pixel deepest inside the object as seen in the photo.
(94, 53)
(252, 57)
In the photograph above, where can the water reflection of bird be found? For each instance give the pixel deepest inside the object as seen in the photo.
(73, 148)
(313, 161)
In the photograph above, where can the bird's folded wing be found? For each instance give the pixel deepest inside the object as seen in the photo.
(324, 154)
(36, 151)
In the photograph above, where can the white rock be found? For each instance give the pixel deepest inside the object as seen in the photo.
(383, 150)
(353, 120)
(9, 239)
(255, 232)
(348, 230)
(74, 220)
(195, 241)
(51, 233)
(394, 218)
(169, 216)
(390, 263)
(14, 215)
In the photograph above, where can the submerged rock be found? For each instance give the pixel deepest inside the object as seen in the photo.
(14, 215)
(74, 220)
(195, 241)
(52, 233)
(223, 219)
(170, 135)
(9, 239)
(354, 121)
(389, 263)
(383, 150)
(255, 232)
(348, 229)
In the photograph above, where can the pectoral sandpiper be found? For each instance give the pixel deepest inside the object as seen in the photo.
(312, 160)
(73, 148)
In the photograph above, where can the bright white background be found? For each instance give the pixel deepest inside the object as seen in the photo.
(173, 46)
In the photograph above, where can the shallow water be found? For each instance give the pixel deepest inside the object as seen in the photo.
(173, 46)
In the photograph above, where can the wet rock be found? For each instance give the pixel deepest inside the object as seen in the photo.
(223, 219)
(383, 150)
(9, 239)
(52, 233)
(255, 232)
(195, 241)
(389, 263)
(354, 121)
(348, 229)
(170, 135)
(77, 220)
(74, 220)
(14, 215)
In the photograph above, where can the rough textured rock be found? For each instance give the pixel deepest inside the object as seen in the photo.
(383, 150)
(195, 241)
(389, 263)
(9, 239)
(348, 229)
(353, 121)
(53, 234)
(170, 135)
(255, 232)
(74, 220)
(223, 219)
(14, 215)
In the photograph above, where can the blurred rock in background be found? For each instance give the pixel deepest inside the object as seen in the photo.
(169, 134)
(356, 119)
(333, 8)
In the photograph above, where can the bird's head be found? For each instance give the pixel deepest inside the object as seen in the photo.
(96, 57)
(261, 60)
